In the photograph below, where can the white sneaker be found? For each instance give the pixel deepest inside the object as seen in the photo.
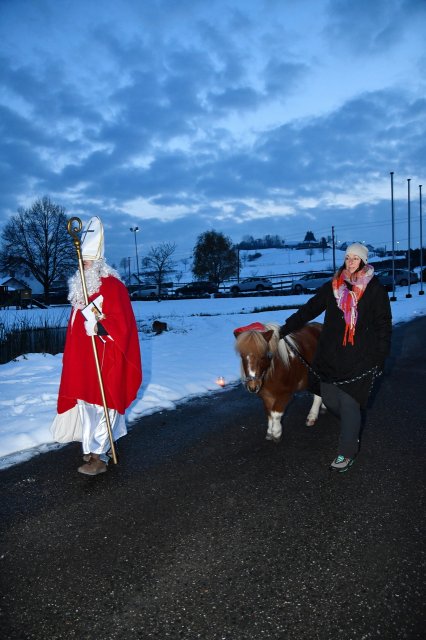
(341, 464)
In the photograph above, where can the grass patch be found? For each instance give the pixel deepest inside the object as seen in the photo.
(31, 340)
(279, 307)
(22, 333)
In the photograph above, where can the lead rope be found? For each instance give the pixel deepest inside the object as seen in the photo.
(374, 370)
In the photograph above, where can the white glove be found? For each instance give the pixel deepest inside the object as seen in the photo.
(91, 326)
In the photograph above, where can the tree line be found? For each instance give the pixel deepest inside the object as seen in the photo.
(276, 242)
(35, 241)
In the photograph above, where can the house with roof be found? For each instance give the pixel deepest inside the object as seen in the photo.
(14, 292)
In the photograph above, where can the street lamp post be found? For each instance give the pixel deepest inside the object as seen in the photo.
(393, 297)
(408, 295)
(238, 264)
(135, 230)
(421, 292)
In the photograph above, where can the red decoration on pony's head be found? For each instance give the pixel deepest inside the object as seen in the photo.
(254, 326)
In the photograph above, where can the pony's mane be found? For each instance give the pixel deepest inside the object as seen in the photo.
(253, 342)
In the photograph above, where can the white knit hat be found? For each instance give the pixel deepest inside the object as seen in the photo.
(358, 249)
(92, 245)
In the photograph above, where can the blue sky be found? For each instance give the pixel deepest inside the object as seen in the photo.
(250, 117)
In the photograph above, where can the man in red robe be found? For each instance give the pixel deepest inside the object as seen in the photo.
(110, 318)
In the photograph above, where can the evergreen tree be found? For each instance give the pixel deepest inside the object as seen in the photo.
(309, 237)
(215, 258)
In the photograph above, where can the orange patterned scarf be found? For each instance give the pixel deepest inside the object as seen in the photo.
(347, 299)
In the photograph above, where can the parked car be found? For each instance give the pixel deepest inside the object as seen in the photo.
(199, 288)
(402, 277)
(148, 291)
(251, 284)
(311, 281)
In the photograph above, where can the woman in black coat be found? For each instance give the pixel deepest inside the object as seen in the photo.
(353, 344)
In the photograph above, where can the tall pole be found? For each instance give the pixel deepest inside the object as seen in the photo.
(393, 297)
(135, 230)
(74, 227)
(421, 292)
(409, 239)
(334, 249)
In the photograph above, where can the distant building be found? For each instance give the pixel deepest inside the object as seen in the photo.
(133, 282)
(290, 245)
(14, 292)
(308, 244)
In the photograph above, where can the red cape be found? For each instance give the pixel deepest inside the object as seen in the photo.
(119, 359)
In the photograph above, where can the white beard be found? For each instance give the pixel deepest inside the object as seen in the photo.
(98, 270)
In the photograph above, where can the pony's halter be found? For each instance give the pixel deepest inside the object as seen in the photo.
(251, 378)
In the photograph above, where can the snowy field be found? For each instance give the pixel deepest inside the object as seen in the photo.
(185, 361)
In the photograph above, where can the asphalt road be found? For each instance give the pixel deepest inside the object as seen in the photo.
(206, 530)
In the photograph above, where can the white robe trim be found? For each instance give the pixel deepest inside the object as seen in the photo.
(86, 423)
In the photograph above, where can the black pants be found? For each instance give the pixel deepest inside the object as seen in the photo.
(349, 411)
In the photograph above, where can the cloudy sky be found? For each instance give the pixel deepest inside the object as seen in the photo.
(247, 117)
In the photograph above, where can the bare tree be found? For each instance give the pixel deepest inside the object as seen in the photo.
(37, 240)
(159, 263)
(125, 269)
(323, 246)
(186, 262)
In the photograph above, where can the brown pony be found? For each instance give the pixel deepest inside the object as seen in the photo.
(274, 371)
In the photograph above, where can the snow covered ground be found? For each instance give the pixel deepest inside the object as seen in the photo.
(185, 361)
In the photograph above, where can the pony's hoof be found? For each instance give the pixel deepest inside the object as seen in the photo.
(311, 422)
(272, 438)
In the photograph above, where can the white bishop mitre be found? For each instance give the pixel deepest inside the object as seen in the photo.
(92, 245)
